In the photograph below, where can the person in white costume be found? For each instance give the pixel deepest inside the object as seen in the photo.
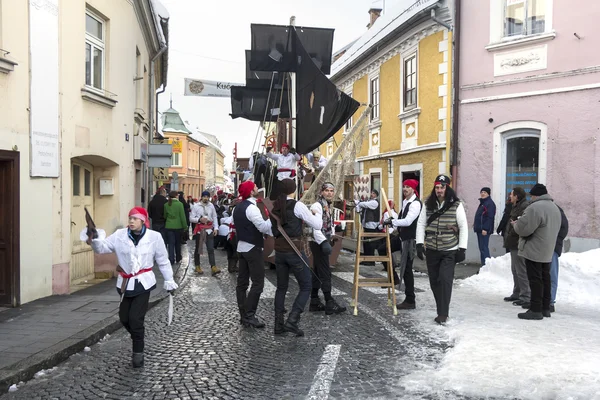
(137, 249)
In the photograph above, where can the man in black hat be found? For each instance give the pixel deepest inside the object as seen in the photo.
(443, 228)
(538, 229)
(484, 222)
(369, 219)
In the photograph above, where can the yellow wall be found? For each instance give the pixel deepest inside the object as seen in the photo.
(389, 108)
(429, 80)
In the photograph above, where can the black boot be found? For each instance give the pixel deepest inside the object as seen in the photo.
(279, 330)
(316, 305)
(531, 315)
(242, 315)
(232, 265)
(333, 308)
(251, 321)
(137, 360)
(546, 313)
(291, 325)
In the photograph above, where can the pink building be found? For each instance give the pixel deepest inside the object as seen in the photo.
(529, 110)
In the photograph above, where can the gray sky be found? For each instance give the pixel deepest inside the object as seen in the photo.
(208, 39)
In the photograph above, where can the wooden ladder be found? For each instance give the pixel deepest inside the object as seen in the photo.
(374, 282)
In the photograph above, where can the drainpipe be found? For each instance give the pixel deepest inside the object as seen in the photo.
(439, 21)
(151, 120)
(456, 88)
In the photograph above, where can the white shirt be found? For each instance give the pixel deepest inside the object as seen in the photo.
(200, 210)
(318, 234)
(285, 162)
(372, 205)
(253, 214)
(413, 212)
(151, 248)
(322, 161)
(390, 229)
(461, 221)
(224, 228)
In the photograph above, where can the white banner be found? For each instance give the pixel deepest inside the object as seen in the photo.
(43, 38)
(203, 87)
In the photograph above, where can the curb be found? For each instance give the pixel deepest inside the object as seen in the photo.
(25, 370)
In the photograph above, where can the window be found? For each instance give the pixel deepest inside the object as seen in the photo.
(76, 179)
(524, 17)
(176, 160)
(522, 160)
(94, 51)
(410, 82)
(374, 98)
(87, 183)
(375, 182)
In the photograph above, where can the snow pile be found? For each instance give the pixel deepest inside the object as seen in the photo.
(13, 388)
(496, 355)
(87, 349)
(43, 372)
(105, 338)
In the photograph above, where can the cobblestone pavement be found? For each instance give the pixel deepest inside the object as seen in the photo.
(206, 354)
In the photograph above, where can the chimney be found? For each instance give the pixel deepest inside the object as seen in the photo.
(374, 13)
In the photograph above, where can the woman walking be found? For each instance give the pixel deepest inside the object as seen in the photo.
(175, 223)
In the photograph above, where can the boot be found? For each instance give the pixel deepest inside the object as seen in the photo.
(242, 315)
(215, 270)
(331, 307)
(232, 265)
(137, 360)
(199, 270)
(546, 313)
(552, 309)
(291, 325)
(406, 306)
(511, 298)
(252, 321)
(441, 319)
(316, 305)
(531, 315)
(279, 330)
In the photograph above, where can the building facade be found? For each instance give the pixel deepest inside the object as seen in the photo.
(401, 66)
(75, 135)
(529, 108)
(215, 164)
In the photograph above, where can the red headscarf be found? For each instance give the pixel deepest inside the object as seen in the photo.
(285, 145)
(246, 189)
(413, 184)
(140, 213)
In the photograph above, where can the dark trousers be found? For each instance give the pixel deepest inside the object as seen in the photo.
(210, 249)
(321, 278)
(484, 246)
(369, 247)
(132, 312)
(286, 263)
(440, 268)
(160, 228)
(251, 266)
(540, 285)
(409, 282)
(174, 245)
(396, 245)
(231, 247)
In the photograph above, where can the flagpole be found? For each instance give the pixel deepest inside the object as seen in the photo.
(293, 105)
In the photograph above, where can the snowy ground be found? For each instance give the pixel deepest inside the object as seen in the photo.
(494, 354)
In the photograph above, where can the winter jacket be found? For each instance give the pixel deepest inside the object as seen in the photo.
(484, 217)
(175, 215)
(501, 230)
(511, 238)
(538, 229)
(156, 209)
(562, 233)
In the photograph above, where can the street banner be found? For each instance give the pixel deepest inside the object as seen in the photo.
(204, 87)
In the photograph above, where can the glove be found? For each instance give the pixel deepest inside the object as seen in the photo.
(388, 222)
(326, 248)
(460, 255)
(269, 148)
(171, 292)
(420, 250)
(293, 150)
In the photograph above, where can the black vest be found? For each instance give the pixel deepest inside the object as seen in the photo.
(410, 232)
(293, 224)
(371, 215)
(244, 228)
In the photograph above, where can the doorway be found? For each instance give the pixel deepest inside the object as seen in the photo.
(416, 175)
(82, 196)
(9, 230)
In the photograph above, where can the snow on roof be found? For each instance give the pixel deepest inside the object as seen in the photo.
(393, 18)
(198, 137)
(160, 12)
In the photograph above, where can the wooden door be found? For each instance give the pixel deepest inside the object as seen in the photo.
(82, 195)
(9, 229)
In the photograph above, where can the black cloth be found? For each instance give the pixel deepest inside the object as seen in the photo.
(132, 313)
(539, 282)
(251, 266)
(321, 108)
(562, 233)
(321, 278)
(245, 229)
(266, 38)
(174, 245)
(505, 218)
(440, 268)
(292, 225)
(156, 209)
(136, 237)
(262, 79)
(138, 289)
(260, 104)
(286, 263)
(409, 282)
(370, 246)
(410, 232)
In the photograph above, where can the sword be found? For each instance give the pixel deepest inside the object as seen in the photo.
(170, 312)
(92, 233)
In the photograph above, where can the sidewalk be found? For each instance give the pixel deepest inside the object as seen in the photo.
(47, 331)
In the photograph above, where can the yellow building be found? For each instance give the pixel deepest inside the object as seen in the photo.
(402, 66)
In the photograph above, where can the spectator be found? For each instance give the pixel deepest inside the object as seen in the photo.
(562, 234)
(484, 223)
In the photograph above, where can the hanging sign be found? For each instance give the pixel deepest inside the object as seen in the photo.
(204, 87)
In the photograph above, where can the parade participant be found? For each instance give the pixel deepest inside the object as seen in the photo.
(156, 212)
(137, 249)
(321, 248)
(186, 208)
(175, 223)
(227, 231)
(204, 215)
(394, 238)
(369, 211)
(316, 160)
(286, 166)
(250, 226)
(442, 226)
(407, 225)
(291, 215)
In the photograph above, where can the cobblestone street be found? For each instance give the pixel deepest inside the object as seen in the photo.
(205, 353)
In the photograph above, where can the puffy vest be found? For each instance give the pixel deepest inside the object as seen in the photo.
(245, 229)
(441, 233)
(409, 232)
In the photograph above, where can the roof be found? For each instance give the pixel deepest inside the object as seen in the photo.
(161, 21)
(394, 17)
(172, 122)
(212, 141)
(198, 137)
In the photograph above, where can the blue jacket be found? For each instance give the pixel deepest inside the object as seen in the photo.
(484, 217)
